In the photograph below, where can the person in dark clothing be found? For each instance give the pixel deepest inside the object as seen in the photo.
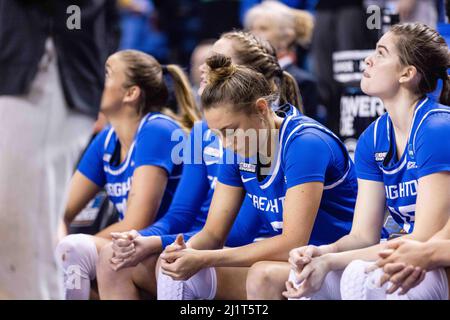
(52, 71)
(27, 24)
(339, 26)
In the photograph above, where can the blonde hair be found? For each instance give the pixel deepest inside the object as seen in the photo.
(287, 19)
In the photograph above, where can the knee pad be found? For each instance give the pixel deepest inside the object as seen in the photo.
(356, 284)
(77, 255)
(201, 286)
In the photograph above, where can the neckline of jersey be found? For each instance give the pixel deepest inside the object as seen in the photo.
(391, 133)
(275, 167)
(126, 161)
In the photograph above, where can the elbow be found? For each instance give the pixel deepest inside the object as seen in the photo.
(364, 240)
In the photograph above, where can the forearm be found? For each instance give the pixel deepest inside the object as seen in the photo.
(444, 234)
(205, 240)
(340, 260)
(273, 249)
(359, 248)
(173, 222)
(347, 243)
(440, 256)
(152, 245)
(121, 226)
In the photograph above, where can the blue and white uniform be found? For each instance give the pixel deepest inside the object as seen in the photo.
(307, 152)
(152, 146)
(427, 151)
(190, 206)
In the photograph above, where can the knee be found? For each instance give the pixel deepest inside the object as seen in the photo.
(77, 250)
(104, 269)
(355, 282)
(356, 271)
(260, 278)
(72, 246)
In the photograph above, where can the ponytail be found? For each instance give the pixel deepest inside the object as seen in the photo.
(188, 113)
(445, 93)
(289, 91)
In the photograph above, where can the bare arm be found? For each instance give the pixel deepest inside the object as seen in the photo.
(81, 191)
(432, 213)
(300, 209)
(223, 210)
(441, 247)
(367, 220)
(144, 199)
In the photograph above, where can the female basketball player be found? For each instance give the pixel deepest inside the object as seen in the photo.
(191, 202)
(131, 159)
(402, 162)
(296, 173)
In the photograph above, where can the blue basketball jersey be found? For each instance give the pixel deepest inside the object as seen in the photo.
(306, 152)
(190, 206)
(427, 151)
(152, 145)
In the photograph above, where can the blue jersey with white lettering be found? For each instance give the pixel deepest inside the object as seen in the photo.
(190, 206)
(307, 152)
(152, 146)
(427, 151)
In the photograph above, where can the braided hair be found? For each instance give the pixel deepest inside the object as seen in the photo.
(260, 55)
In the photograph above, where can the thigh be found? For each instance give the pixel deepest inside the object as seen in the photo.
(433, 287)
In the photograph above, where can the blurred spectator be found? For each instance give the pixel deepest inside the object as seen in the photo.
(285, 28)
(139, 28)
(308, 5)
(53, 62)
(180, 20)
(198, 57)
(187, 22)
(424, 11)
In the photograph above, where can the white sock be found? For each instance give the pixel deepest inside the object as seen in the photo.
(77, 255)
(328, 291)
(201, 286)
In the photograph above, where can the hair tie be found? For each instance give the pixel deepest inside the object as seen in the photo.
(164, 69)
